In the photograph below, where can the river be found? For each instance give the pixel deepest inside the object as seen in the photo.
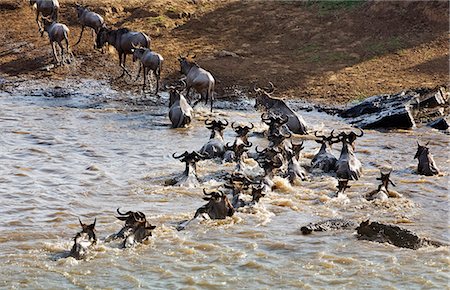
(92, 150)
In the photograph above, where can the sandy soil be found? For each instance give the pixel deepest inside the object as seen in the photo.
(309, 51)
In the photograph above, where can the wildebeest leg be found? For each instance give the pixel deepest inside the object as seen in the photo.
(139, 72)
(158, 75)
(184, 224)
(81, 34)
(39, 24)
(55, 57)
(62, 52)
(146, 69)
(120, 64)
(123, 65)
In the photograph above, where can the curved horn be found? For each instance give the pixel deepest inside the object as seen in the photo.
(248, 145)
(232, 126)
(118, 211)
(263, 151)
(95, 221)
(201, 156)
(361, 134)
(82, 225)
(252, 126)
(206, 193)
(271, 88)
(321, 136)
(223, 123)
(256, 89)
(208, 122)
(178, 157)
(289, 135)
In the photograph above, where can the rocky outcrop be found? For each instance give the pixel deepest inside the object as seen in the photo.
(402, 110)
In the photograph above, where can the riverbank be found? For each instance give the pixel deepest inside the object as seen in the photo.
(314, 51)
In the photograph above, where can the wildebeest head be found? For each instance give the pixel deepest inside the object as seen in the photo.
(83, 240)
(385, 179)
(296, 149)
(137, 52)
(174, 92)
(191, 160)
(328, 141)
(342, 186)
(186, 64)
(263, 98)
(364, 229)
(426, 165)
(275, 122)
(257, 192)
(102, 37)
(241, 130)
(80, 9)
(348, 138)
(136, 228)
(218, 206)
(277, 138)
(216, 127)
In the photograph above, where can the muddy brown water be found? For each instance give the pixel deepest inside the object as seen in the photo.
(87, 152)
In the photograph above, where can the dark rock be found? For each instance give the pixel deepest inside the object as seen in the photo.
(332, 224)
(397, 236)
(431, 99)
(440, 124)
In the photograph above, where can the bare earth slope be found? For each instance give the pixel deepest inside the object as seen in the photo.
(310, 50)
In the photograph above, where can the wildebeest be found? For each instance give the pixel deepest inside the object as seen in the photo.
(256, 193)
(57, 32)
(218, 207)
(341, 187)
(180, 112)
(136, 228)
(426, 166)
(83, 240)
(150, 62)
(265, 101)
(325, 159)
(90, 19)
(294, 171)
(199, 79)
(215, 146)
(189, 177)
(123, 41)
(395, 235)
(348, 166)
(276, 123)
(269, 166)
(236, 151)
(48, 8)
(383, 192)
(331, 224)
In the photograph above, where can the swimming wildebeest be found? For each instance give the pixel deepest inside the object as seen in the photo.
(180, 112)
(123, 40)
(150, 62)
(294, 171)
(189, 177)
(325, 159)
(57, 33)
(256, 193)
(218, 207)
(397, 236)
(236, 151)
(269, 166)
(136, 228)
(276, 123)
(383, 192)
(341, 187)
(90, 19)
(265, 101)
(199, 79)
(426, 166)
(331, 224)
(215, 146)
(348, 166)
(48, 8)
(83, 240)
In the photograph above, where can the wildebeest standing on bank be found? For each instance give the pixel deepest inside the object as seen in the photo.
(264, 100)
(57, 32)
(48, 8)
(199, 79)
(83, 240)
(89, 19)
(123, 41)
(426, 165)
(150, 61)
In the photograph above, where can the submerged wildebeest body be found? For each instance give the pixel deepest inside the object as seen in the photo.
(180, 112)
(264, 100)
(136, 228)
(199, 79)
(189, 177)
(218, 207)
(324, 159)
(327, 225)
(397, 236)
(426, 165)
(83, 241)
(150, 62)
(123, 41)
(48, 8)
(90, 19)
(348, 166)
(294, 171)
(215, 146)
(57, 33)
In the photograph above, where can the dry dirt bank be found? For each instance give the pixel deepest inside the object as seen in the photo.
(313, 51)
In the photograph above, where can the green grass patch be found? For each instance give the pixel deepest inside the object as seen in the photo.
(332, 5)
(383, 46)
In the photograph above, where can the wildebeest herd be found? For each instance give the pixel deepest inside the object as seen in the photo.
(244, 186)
